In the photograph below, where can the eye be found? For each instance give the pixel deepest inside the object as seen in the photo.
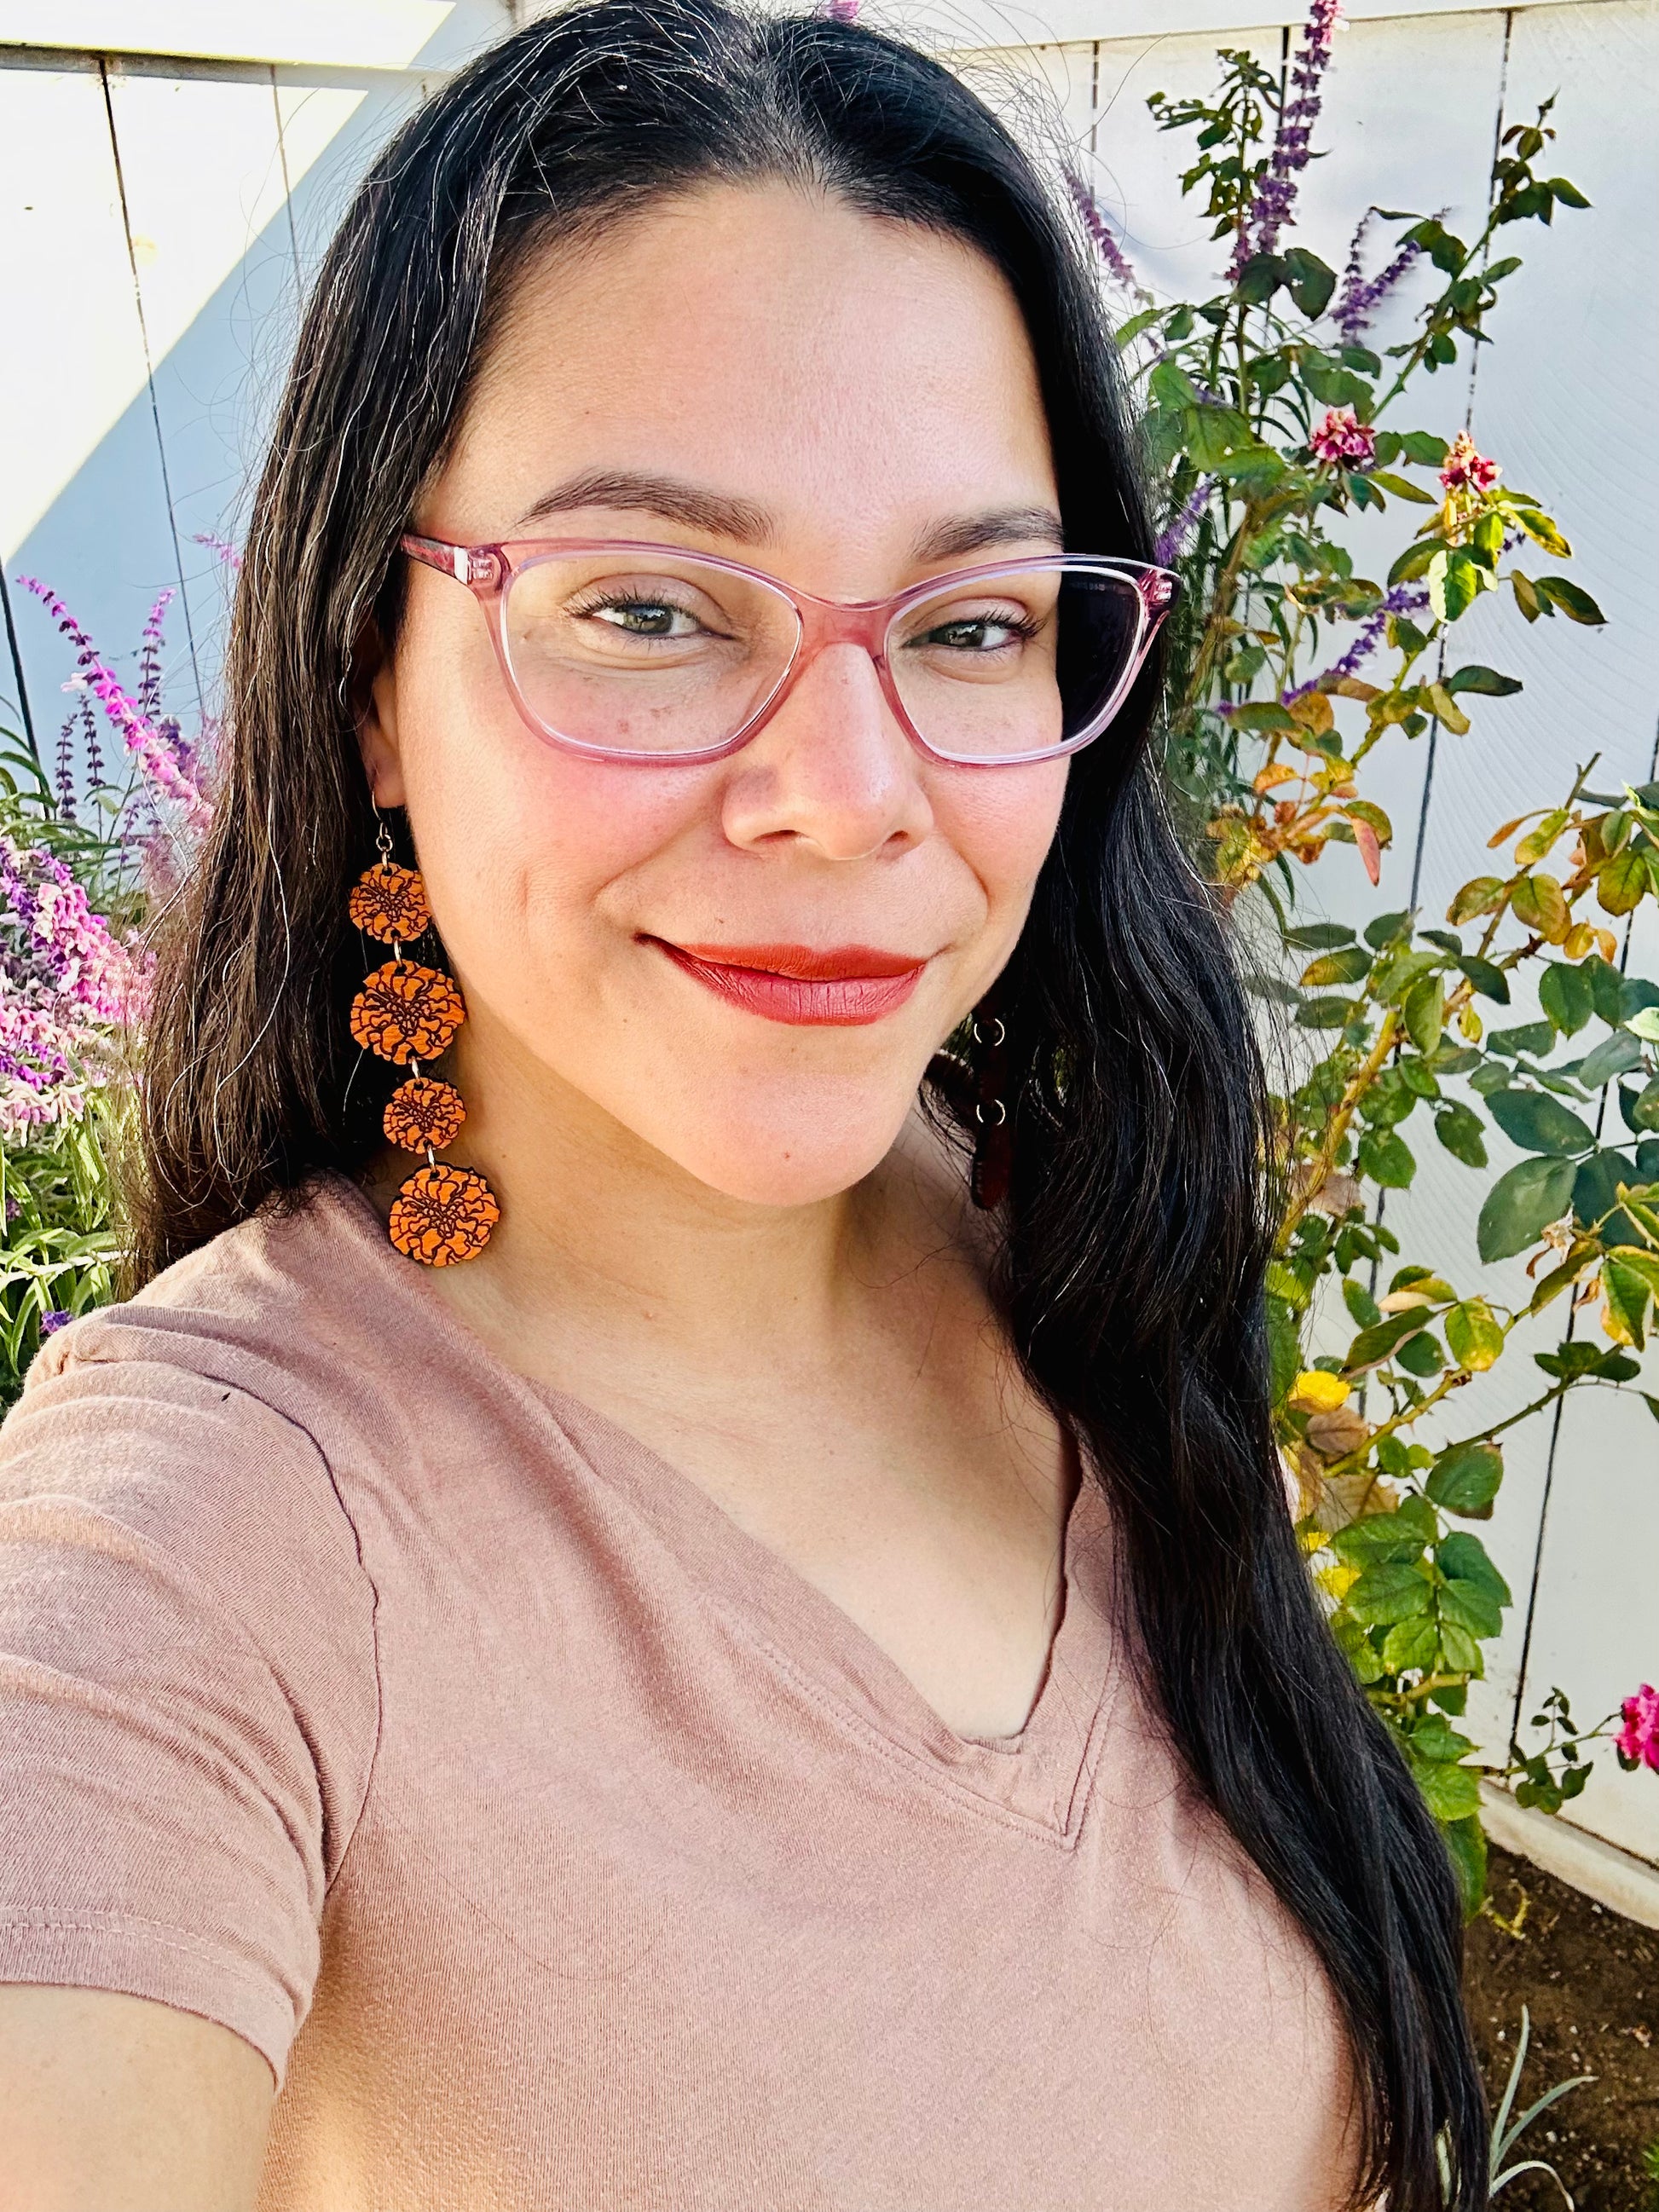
(644, 617)
(982, 633)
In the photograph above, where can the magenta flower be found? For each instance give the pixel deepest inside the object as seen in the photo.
(1638, 1741)
(154, 745)
(1466, 469)
(1343, 440)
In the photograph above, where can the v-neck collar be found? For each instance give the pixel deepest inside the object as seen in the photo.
(1037, 1779)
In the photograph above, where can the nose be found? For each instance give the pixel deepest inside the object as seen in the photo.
(832, 771)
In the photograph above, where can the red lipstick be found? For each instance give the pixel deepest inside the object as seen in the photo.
(841, 987)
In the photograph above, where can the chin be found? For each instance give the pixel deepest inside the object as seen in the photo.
(783, 1159)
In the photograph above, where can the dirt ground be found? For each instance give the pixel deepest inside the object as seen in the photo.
(1590, 1980)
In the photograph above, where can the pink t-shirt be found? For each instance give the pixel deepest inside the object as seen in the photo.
(559, 1845)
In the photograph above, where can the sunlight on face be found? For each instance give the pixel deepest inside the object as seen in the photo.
(746, 965)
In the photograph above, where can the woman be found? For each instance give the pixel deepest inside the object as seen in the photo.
(677, 1655)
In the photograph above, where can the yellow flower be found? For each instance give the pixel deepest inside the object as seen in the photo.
(1317, 1392)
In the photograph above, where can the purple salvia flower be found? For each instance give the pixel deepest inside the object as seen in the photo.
(222, 546)
(1358, 301)
(1177, 535)
(1403, 599)
(66, 777)
(147, 744)
(150, 658)
(54, 1319)
(1113, 257)
(1275, 200)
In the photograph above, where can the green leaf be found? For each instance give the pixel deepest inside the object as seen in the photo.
(1378, 1540)
(1471, 677)
(1332, 386)
(1572, 599)
(1414, 562)
(1465, 1846)
(1324, 1014)
(1385, 1594)
(1479, 896)
(1565, 995)
(1411, 1646)
(1402, 488)
(1460, 1131)
(1311, 282)
(1170, 385)
(1522, 1204)
(1474, 1335)
(1626, 1292)
(1452, 1793)
(1466, 1479)
(1462, 1557)
(1455, 582)
(1424, 448)
(1488, 979)
(1318, 937)
(1260, 278)
(1539, 1123)
(1345, 966)
(1615, 1056)
(1533, 1037)
(1361, 1304)
(1434, 1739)
(1262, 714)
(1421, 1355)
(1386, 1158)
(1424, 1012)
(1372, 1345)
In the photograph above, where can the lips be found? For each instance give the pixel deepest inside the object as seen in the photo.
(844, 987)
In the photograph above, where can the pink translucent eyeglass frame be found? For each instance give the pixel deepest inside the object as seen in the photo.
(487, 571)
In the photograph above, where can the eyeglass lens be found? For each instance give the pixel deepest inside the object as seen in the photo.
(661, 654)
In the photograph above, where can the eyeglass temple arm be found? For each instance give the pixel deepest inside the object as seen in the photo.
(448, 560)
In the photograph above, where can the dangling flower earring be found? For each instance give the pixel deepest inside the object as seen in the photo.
(993, 1144)
(406, 1013)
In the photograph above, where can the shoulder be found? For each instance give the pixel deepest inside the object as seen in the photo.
(186, 1417)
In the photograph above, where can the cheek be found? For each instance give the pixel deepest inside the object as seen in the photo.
(1002, 821)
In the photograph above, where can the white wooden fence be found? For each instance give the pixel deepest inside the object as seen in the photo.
(170, 171)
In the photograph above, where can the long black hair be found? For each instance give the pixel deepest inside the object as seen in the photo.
(1135, 1233)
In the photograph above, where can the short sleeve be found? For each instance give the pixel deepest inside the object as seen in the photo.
(188, 1695)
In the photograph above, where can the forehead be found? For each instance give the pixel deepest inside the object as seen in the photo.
(775, 342)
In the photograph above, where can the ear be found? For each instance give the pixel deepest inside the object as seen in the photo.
(375, 694)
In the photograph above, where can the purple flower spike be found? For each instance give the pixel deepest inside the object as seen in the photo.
(1176, 536)
(222, 546)
(1115, 261)
(1275, 202)
(1404, 599)
(1358, 301)
(148, 743)
(55, 1319)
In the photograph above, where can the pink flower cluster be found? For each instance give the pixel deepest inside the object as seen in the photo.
(154, 746)
(68, 986)
(1638, 1741)
(1343, 440)
(1466, 469)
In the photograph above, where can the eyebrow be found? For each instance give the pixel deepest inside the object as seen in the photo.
(721, 515)
(977, 534)
(674, 501)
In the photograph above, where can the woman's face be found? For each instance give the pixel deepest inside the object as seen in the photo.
(853, 406)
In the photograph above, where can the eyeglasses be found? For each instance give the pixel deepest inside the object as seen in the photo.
(626, 651)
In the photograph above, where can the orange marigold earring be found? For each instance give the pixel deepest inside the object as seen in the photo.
(407, 1013)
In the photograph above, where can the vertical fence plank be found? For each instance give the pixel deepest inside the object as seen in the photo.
(72, 377)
